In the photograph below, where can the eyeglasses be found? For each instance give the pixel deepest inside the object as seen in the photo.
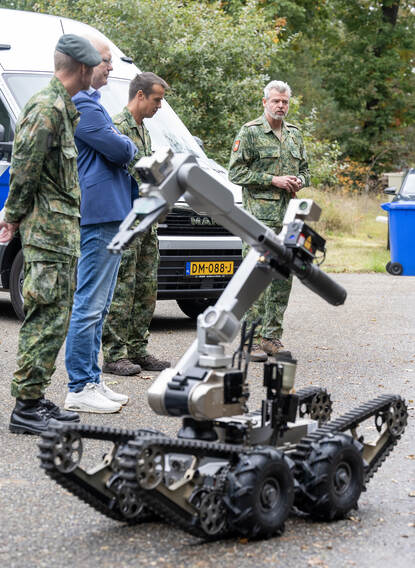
(108, 62)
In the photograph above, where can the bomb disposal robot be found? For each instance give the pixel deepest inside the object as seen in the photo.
(230, 471)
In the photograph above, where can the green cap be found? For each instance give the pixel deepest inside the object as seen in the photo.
(79, 48)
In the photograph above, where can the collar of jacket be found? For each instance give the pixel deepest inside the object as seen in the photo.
(267, 127)
(129, 118)
(60, 90)
(93, 93)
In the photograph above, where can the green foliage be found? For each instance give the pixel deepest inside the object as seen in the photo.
(373, 95)
(216, 67)
(349, 63)
(323, 154)
(353, 60)
(356, 59)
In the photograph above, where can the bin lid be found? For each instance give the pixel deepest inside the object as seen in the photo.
(398, 205)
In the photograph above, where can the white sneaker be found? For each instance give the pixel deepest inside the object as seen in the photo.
(90, 399)
(111, 395)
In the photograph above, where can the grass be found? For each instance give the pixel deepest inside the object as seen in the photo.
(356, 242)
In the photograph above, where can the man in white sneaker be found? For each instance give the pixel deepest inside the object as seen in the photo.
(107, 194)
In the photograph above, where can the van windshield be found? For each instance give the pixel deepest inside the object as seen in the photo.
(166, 129)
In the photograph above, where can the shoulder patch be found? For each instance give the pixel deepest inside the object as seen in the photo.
(236, 145)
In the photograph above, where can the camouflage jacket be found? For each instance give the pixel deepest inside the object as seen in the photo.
(258, 155)
(44, 189)
(127, 125)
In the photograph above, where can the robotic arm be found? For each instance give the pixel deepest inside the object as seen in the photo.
(203, 384)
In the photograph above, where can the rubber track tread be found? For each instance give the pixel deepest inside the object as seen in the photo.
(70, 481)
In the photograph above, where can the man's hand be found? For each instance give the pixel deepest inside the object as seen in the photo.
(7, 231)
(292, 184)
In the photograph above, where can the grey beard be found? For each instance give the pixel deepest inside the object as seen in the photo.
(275, 116)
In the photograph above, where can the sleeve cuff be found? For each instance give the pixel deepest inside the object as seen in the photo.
(8, 218)
(266, 179)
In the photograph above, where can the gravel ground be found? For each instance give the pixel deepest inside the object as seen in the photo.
(356, 351)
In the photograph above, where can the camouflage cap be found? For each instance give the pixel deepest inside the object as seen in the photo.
(79, 48)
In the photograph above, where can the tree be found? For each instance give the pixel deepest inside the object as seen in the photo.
(353, 61)
(216, 67)
(369, 73)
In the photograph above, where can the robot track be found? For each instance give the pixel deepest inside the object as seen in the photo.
(201, 487)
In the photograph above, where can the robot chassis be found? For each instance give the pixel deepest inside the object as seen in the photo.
(230, 471)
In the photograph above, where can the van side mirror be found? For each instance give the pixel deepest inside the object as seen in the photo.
(5, 147)
(200, 142)
(6, 151)
(390, 190)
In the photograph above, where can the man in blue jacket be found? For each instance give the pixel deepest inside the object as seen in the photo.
(107, 193)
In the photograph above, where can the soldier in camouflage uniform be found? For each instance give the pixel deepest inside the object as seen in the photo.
(44, 203)
(269, 161)
(125, 333)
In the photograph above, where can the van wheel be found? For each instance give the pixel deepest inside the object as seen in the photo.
(16, 284)
(192, 308)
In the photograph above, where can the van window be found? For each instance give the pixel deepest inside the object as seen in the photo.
(166, 129)
(24, 85)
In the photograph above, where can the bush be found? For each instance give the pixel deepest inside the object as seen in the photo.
(216, 66)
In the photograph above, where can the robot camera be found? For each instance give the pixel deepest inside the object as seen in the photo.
(305, 209)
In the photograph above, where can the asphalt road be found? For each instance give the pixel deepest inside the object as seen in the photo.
(356, 351)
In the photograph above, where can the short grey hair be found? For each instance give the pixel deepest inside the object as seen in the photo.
(279, 86)
(65, 62)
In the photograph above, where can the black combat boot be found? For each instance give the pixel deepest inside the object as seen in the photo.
(30, 417)
(58, 413)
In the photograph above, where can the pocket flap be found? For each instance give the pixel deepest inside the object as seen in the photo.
(271, 195)
(295, 152)
(269, 152)
(64, 208)
(70, 151)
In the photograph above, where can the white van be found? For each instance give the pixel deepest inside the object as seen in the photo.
(26, 65)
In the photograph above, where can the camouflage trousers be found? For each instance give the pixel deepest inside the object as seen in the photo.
(125, 333)
(270, 306)
(48, 291)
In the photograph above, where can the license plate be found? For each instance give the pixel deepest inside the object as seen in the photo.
(225, 268)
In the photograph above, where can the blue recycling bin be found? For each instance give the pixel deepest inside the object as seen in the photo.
(401, 237)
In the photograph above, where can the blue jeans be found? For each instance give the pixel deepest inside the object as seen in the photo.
(97, 276)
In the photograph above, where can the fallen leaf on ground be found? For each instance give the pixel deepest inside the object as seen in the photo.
(317, 562)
